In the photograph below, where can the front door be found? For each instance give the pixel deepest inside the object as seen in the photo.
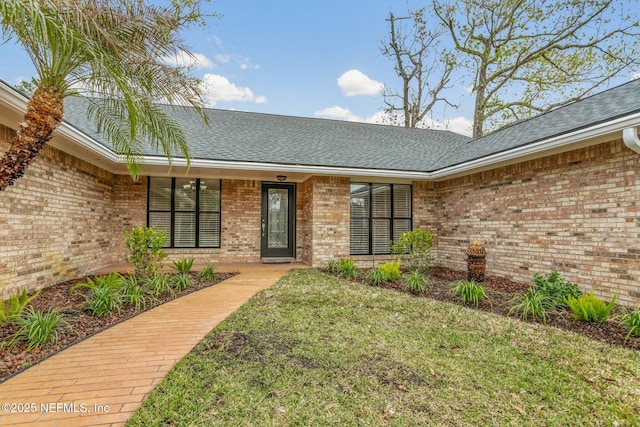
(278, 222)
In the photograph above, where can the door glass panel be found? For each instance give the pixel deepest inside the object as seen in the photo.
(278, 218)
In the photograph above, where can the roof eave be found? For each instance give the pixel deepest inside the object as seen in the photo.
(569, 141)
(582, 137)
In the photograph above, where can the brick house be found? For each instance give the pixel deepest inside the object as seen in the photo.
(559, 191)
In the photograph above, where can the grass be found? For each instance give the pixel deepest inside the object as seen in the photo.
(318, 350)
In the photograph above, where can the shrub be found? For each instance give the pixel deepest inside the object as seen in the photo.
(12, 308)
(376, 277)
(557, 288)
(534, 303)
(468, 291)
(183, 266)
(391, 270)
(333, 266)
(207, 273)
(347, 268)
(181, 281)
(158, 284)
(105, 294)
(416, 281)
(590, 308)
(38, 328)
(133, 293)
(632, 322)
(415, 249)
(145, 249)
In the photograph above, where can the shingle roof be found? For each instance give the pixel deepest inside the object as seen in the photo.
(599, 108)
(265, 138)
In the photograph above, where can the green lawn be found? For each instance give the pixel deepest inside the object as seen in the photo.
(316, 350)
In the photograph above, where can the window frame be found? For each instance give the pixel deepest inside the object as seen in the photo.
(370, 218)
(197, 211)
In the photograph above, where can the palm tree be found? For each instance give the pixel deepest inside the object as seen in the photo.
(112, 51)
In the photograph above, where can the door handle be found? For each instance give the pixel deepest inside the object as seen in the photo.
(263, 227)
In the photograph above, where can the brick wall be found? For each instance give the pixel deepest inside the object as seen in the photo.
(55, 222)
(578, 212)
(239, 228)
(240, 222)
(304, 234)
(327, 207)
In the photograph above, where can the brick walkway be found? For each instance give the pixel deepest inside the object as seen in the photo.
(104, 379)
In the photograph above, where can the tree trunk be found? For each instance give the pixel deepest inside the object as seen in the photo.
(43, 116)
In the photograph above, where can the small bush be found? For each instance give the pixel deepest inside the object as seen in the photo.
(208, 273)
(145, 249)
(347, 268)
(414, 247)
(105, 294)
(181, 281)
(158, 284)
(376, 277)
(632, 322)
(183, 266)
(333, 266)
(416, 281)
(133, 293)
(391, 270)
(11, 309)
(468, 291)
(38, 328)
(534, 303)
(590, 308)
(103, 301)
(557, 288)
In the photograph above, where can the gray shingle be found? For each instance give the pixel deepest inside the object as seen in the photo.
(266, 138)
(602, 107)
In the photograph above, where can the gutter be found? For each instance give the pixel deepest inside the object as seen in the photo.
(631, 140)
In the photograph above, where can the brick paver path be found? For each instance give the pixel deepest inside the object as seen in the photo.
(104, 379)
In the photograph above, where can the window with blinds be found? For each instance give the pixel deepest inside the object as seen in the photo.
(187, 209)
(379, 214)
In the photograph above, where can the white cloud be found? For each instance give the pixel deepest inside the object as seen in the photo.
(355, 82)
(195, 60)
(459, 124)
(218, 41)
(223, 59)
(218, 88)
(635, 76)
(338, 113)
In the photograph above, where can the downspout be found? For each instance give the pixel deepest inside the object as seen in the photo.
(631, 140)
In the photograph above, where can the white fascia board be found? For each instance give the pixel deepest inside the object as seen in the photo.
(592, 132)
(283, 167)
(12, 98)
(18, 102)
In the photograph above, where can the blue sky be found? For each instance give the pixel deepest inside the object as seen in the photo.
(312, 59)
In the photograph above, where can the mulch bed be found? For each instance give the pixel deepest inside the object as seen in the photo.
(82, 323)
(501, 291)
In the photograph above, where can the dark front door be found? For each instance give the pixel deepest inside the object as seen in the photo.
(278, 220)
